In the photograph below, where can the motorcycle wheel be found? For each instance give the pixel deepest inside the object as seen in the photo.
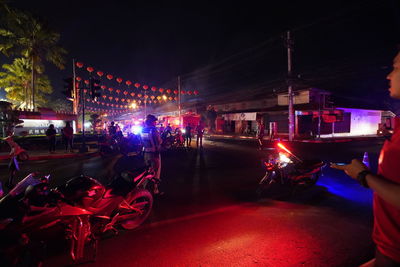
(143, 200)
(307, 182)
(265, 184)
(167, 145)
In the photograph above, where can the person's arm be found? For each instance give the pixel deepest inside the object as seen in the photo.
(386, 189)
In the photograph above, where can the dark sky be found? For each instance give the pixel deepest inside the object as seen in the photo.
(221, 46)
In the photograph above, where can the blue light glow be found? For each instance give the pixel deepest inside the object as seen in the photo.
(137, 129)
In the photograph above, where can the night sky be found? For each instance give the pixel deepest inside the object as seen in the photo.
(343, 46)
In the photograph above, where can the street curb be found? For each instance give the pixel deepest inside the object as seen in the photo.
(344, 140)
(61, 156)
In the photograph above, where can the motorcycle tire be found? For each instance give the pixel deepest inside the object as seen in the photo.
(307, 182)
(265, 185)
(138, 196)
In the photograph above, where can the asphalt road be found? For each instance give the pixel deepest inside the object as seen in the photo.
(209, 215)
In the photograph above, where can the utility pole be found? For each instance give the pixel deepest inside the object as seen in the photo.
(84, 148)
(145, 104)
(289, 45)
(179, 102)
(74, 90)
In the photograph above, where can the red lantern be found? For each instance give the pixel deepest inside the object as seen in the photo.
(85, 91)
(189, 92)
(161, 90)
(104, 96)
(152, 97)
(168, 91)
(116, 99)
(139, 95)
(87, 99)
(79, 64)
(155, 101)
(112, 105)
(132, 94)
(125, 92)
(102, 103)
(175, 92)
(109, 76)
(145, 87)
(153, 88)
(110, 97)
(100, 73)
(170, 98)
(137, 85)
(128, 100)
(108, 104)
(103, 87)
(195, 92)
(129, 83)
(110, 89)
(86, 81)
(183, 92)
(140, 101)
(123, 99)
(175, 98)
(90, 69)
(118, 91)
(78, 79)
(146, 96)
(119, 80)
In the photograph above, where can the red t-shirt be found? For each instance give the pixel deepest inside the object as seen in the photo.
(386, 233)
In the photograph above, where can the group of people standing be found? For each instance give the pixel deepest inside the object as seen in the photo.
(199, 130)
(67, 134)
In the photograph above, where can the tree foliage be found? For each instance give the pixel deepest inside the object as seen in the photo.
(22, 34)
(60, 105)
(95, 120)
(16, 78)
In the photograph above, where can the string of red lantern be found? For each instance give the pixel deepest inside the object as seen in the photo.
(137, 85)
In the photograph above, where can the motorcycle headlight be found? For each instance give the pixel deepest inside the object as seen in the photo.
(283, 158)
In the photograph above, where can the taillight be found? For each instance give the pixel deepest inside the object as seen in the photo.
(269, 166)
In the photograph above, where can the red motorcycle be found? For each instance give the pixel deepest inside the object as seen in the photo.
(284, 169)
(126, 202)
(31, 214)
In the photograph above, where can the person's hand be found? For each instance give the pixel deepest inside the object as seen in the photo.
(353, 169)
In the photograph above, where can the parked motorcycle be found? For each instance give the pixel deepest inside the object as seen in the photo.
(125, 202)
(31, 214)
(108, 145)
(285, 169)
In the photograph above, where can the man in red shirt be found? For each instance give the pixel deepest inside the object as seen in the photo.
(386, 187)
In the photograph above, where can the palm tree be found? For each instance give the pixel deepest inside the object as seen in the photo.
(16, 81)
(26, 35)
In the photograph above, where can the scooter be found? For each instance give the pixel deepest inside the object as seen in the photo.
(285, 169)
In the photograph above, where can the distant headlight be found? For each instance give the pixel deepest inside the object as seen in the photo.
(137, 129)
